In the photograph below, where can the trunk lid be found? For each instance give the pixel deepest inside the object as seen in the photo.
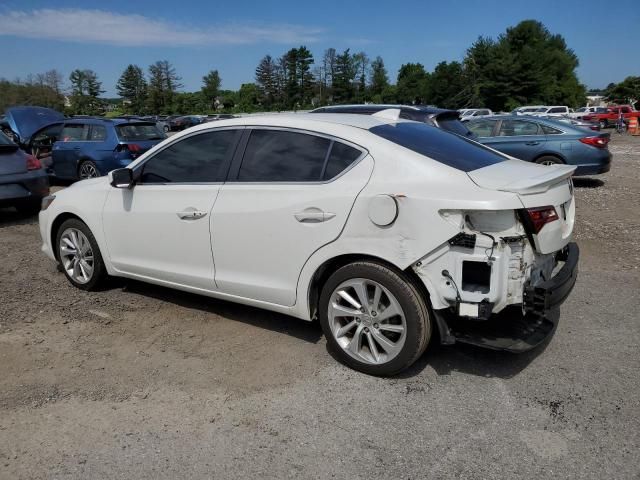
(536, 186)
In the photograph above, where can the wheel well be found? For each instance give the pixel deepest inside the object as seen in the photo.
(554, 155)
(55, 226)
(325, 270)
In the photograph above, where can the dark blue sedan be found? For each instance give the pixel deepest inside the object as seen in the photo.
(545, 141)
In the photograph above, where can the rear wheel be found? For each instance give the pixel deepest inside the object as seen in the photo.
(79, 255)
(549, 160)
(374, 319)
(87, 169)
(603, 124)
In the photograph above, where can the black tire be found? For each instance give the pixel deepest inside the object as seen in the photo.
(414, 306)
(549, 160)
(88, 165)
(30, 208)
(166, 128)
(99, 270)
(603, 124)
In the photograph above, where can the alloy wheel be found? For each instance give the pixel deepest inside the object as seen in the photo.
(88, 170)
(367, 321)
(76, 255)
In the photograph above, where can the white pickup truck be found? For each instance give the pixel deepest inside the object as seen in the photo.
(582, 111)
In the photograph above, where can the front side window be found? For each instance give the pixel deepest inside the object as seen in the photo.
(75, 132)
(482, 128)
(282, 156)
(196, 159)
(558, 110)
(514, 128)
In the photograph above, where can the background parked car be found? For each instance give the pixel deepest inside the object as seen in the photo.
(552, 111)
(577, 123)
(582, 111)
(526, 109)
(219, 116)
(467, 113)
(609, 117)
(437, 117)
(186, 121)
(23, 181)
(19, 123)
(90, 147)
(545, 141)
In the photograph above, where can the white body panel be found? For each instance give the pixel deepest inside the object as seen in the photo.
(249, 246)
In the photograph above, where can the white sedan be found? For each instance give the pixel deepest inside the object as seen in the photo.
(386, 231)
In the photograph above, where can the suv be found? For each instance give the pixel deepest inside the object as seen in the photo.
(438, 117)
(90, 147)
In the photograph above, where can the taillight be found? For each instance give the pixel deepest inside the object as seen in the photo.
(33, 163)
(540, 216)
(133, 148)
(598, 142)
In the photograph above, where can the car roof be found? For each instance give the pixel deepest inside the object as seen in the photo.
(429, 109)
(98, 120)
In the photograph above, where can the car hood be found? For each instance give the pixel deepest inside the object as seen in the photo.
(25, 121)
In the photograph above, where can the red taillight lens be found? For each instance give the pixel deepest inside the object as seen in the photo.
(598, 142)
(133, 148)
(33, 163)
(540, 216)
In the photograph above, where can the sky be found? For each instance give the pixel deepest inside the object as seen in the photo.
(197, 36)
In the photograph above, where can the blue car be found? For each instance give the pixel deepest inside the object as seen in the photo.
(545, 141)
(79, 148)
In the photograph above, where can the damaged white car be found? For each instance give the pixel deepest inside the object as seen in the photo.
(389, 232)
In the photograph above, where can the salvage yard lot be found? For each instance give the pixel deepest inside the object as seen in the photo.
(139, 381)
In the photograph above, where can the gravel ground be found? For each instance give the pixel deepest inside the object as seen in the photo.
(143, 382)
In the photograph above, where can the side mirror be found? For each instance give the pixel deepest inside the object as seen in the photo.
(121, 178)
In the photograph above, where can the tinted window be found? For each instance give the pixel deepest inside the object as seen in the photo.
(452, 150)
(340, 158)
(75, 132)
(279, 156)
(138, 131)
(454, 125)
(510, 128)
(199, 158)
(482, 128)
(98, 133)
(558, 110)
(550, 130)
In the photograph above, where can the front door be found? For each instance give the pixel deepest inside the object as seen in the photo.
(160, 229)
(289, 195)
(67, 150)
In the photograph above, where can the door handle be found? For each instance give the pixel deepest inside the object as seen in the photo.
(76, 148)
(313, 216)
(532, 143)
(191, 214)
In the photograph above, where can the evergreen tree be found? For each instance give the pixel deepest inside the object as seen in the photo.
(267, 81)
(379, 79)
(163, 85)
(85, 92)
(345, 71)
(132, 87)
(413, 84)
(210, 87)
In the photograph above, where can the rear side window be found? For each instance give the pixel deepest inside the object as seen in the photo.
(558, 110)
(547, 130)
(131, 132)
(98, 133)
(340, 158)
(516, 128)
(280, 156)
(75, 132)
(452, 150)
(199, 158)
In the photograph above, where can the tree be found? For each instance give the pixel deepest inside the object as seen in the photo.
(248, 97)
(379, 79)
(345, 71)
(163, 85)
(361, 66)
(446, 85)
(627, 91)
(210, 86)
(413, 84)
(267, 81)
(85, 92)
(132, 87)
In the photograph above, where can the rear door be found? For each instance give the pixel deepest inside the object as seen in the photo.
(67, 151)
(522, 139)
(160, 229)
(289, 193)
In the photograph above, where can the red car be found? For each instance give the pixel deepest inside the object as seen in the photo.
(610, 117)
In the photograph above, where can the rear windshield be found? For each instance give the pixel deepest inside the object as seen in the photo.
(138, 132)
(452, 150)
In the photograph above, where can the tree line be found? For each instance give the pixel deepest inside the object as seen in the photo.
(527, 64)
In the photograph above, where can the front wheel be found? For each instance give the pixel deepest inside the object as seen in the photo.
(548, 160)
(79, 255)
(603, 124)
(374, 319)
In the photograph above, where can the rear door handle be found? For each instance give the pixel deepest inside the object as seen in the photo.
(532, 143)
(313, 215)
(191, 214)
